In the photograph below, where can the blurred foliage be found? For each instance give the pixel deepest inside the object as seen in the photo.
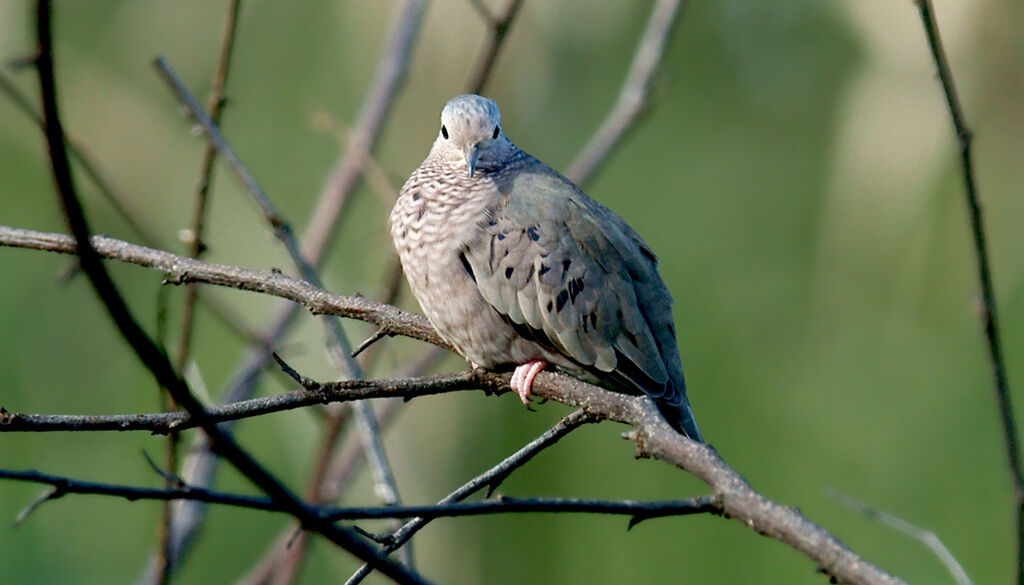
(797, 176)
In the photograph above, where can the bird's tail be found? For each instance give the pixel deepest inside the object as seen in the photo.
(680, 417)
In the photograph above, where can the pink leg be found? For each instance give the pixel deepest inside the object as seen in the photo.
(522, 378)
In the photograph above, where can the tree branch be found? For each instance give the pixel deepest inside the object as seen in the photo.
(653, 436)
(632, 102)
(989, 319)
(147, 351)
(637, 511)
(489, 479)
(167, 560)
(498, 27)
(339, 347)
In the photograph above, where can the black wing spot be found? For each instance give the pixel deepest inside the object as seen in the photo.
(492, 222)
(529, 273)
(532, 232)
(416, 196)
(632, 338)
(509, 271)
(543, 268)
(561, 299)
(575, 287)
(565, 264)
(585, 323)
(550, 306)
(465, 264)
(501, 236)
(593, 319)
(419, 214)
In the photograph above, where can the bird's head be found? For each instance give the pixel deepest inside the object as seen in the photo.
(471, 133)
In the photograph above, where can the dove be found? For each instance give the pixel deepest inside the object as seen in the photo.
(518, 269)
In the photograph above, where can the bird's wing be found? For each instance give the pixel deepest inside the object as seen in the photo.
(570, 274)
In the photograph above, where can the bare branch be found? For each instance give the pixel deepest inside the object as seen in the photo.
(633, 97)
(334, 392)
(925, 537)
(501, 505)
(653, 436)
(347, 172)
(134, 220)
(329, 209)
(181, 269)
(341, 349)
(489, 479)
(989, 319)
(166, 562)
(498, 27)
(147, 351)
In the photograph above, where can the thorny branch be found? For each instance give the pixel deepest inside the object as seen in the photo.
(653, 437)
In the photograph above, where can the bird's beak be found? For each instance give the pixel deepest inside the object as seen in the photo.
(470, 152)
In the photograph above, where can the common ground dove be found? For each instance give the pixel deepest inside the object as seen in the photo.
(515, 266)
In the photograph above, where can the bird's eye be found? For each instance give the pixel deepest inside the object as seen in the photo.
(497, 130)
(444, 132)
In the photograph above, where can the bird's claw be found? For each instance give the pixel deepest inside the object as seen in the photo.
(522, 379)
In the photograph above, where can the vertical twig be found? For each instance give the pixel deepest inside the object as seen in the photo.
(632, 100)
(391, 69)
(989, 318)
(338, 344)
(498, 27)
(166, 560)
(390, 73)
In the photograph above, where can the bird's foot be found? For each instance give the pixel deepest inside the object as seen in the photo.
(522, 378)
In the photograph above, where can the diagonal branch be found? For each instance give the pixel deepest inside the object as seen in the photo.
(632, 102)
(498, 27)
(144, 347)
(989, 318)
(489, 479)
(654, 438)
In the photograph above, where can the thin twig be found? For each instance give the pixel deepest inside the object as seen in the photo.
(147, 351)
(314, 394)
(167, 560)
(989, 318)
(330, 207)
(637, 511)
(925, 537)
(498, 27)
(339, 348)
(632, 102)
(489, 479)
(225, 314)
(387, 80)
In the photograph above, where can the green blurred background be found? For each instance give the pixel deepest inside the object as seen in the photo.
(797, 177)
